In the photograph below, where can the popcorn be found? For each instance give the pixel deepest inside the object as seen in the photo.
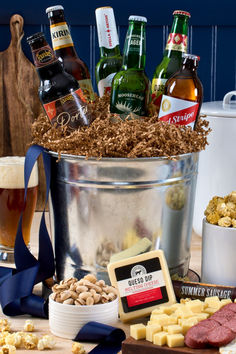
(78, 348)
(4, 325)
(3, 336)
(222, 211)
(29, 326)
(30, 341)
(13, 339)
(46, 342)
(8, 349)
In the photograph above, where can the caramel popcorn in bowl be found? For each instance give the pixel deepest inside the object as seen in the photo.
(222, 210)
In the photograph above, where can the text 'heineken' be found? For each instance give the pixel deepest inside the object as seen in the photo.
(130, 86)
(111, 59)
(176, 45)
(58, 91)
(64, 49)
(183, 95)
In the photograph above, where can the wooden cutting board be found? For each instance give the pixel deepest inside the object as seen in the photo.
(19, 102)
(132, 346)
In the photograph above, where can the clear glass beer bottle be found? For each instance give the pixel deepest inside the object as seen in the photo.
(176, 45)
(183, 94)
(59, 91)
(130, 86)
(111, 59)
(64, 49)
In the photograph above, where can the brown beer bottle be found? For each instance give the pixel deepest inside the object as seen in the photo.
(183, 94)
(58, 90)
(64, 49)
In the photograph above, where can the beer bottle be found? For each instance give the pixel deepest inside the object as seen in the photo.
(63, 47)
(172, 58)
(58, 90)
(183, 94)
(111, 59)
(130, 86)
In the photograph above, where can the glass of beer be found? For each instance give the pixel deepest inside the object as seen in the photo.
(12, 203)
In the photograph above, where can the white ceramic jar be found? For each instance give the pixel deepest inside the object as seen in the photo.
(217, 164)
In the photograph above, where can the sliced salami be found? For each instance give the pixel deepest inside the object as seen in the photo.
(223, 316)
(231, 325)
(196, 337)
(231, 307)
(220, 336)
(209, 323)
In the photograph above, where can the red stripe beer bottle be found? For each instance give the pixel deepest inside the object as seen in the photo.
(183, 94)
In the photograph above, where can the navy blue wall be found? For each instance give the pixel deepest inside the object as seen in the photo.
(212, 33)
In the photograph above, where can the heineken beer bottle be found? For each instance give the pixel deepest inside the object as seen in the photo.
(183, 94)
(130, 86)
(111, 59)
(64, 49)
(175, 47)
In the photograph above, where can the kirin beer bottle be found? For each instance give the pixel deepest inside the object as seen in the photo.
(64, 49)
(172, 58)
(59, 92)
(130, 86)
(111, 59)
(183, 94)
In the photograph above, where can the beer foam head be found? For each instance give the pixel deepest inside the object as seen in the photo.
(12, 173)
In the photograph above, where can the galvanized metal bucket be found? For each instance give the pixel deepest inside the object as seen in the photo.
(100, 207)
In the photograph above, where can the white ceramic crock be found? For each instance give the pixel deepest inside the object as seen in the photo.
(217, 164)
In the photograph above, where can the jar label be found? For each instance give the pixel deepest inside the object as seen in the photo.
(68, 110)
(43, 56)
(178, 111)
(130, 102)
(104, 85)
(60, 36)
(177, 41)
(86, 90)
(106, 28)
(140, 284)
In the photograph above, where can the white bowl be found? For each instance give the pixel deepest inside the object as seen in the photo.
(66, 320)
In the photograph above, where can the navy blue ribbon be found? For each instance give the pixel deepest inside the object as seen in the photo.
(108, 337)
(16, 285)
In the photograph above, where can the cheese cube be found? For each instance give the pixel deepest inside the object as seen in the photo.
(195, 305)
(161, 319)
(167, 309)
(224, 302)
(175, 340)
(173, 329)
(210, 310)
(150, 330)
(201, 316)
(138, 331)
(157, 311)
(213, 302)
(186, 324)
(184, 313)
(173, 319)
(159, 338)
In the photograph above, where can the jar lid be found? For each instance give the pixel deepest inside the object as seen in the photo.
(54, 8)
(34, 37)
(137, 18)
(181, 12)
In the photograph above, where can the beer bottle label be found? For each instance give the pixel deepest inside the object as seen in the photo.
(43, 56)
(135, 42)
(130, 102)
(60, 35)
(86, 90)
(67, 110)
(177, 41)
(104, 85)
(178, 111)
(106, 28)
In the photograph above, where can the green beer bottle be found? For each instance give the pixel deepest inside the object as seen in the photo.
(111, 59)
(172, 58)
(130, 86)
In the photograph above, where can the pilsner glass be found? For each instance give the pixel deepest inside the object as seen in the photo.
(12, 203)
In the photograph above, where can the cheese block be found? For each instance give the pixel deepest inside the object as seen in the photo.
(143, 282)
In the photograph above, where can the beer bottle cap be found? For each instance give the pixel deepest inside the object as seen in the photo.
(54, 8)
(137, 18)
(191, 56)
(34, 37)
(181, 12)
